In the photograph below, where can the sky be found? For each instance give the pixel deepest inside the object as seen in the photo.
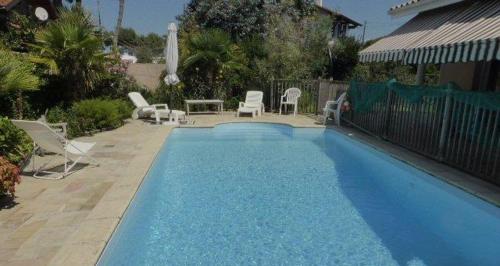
(147, 16)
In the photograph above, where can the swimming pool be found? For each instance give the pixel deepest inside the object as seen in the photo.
(270, 194)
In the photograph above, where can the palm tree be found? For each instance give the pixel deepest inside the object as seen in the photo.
(74, 52)
(212, 51)
(119, 20)
(16, 76)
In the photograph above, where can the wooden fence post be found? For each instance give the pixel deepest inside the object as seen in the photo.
(271, 96)
(317, 96)
(445, 124)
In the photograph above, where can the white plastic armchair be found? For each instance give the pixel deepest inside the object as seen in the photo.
(334, 107)
(253, 100)
(291, 97)
(144, 109)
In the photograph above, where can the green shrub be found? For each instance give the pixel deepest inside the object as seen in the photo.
(15, 144)
(88, 116)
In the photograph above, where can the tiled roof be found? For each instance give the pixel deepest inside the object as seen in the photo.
(353, 23)
(6, 4)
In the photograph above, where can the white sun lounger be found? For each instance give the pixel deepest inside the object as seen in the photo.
(47, 139)
(144, 109)
(253, 101)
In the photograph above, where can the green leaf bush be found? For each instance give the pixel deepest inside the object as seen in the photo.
(89, 116)
(15, 147)
(15, 144)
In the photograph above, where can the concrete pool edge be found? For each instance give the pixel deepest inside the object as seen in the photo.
(87, 244)
(141, 181)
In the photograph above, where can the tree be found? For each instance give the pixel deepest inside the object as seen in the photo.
(128, 37)
(18, 32)
(284, 45)
(344, 57)
(16, 76)
(238, 18)
(119, 20)
(73, 51)
(213, 56)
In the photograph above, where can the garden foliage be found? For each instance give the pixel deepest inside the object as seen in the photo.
(90, 116)
(15, 144)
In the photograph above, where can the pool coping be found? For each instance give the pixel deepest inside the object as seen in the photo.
(87, 244)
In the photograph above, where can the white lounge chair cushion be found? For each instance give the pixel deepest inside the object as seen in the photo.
(247, 109)
(78, 147)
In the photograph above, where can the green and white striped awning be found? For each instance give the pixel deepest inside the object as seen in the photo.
(460, 33)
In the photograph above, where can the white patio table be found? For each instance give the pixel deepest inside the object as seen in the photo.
(219, 103)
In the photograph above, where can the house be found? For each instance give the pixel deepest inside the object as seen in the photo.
(341, 23)
(461, 36)
(42, 10)
(128, 57)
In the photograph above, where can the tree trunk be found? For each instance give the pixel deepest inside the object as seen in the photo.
(19, 105)
(118, 24)
(78, 3)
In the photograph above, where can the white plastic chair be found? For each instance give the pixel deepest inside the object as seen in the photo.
(47, 139)
(334, 107)
(144, 109)
(253, 101)
(291, 97)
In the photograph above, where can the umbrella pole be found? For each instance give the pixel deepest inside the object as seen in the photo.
(171, 96)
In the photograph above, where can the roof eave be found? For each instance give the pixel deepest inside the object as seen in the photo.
(420, 6)
(10, 5)
(353, 23)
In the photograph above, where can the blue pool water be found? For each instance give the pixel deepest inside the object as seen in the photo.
(263, 194)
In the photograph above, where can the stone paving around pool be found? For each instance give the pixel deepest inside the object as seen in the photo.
(69, 221)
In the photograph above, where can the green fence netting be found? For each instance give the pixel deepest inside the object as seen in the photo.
(364, 95)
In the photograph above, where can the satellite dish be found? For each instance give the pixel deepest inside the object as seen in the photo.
(41, 13)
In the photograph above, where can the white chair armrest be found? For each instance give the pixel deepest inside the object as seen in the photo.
(242, 104)
(62, 126)
(161, 105)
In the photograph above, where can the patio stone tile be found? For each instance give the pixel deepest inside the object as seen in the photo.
(118, 191)
(16, 220)
(50, 236)
(78, 254)
(34, 256)
(22, 234)
(109, 209)
(94, 230)
(6, 254)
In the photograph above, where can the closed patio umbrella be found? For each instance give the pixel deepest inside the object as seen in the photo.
(172, 55)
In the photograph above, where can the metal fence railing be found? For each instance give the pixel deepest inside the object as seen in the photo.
(315, 93)
(458, 128)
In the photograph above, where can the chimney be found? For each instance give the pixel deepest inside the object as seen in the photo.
(319, 2)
